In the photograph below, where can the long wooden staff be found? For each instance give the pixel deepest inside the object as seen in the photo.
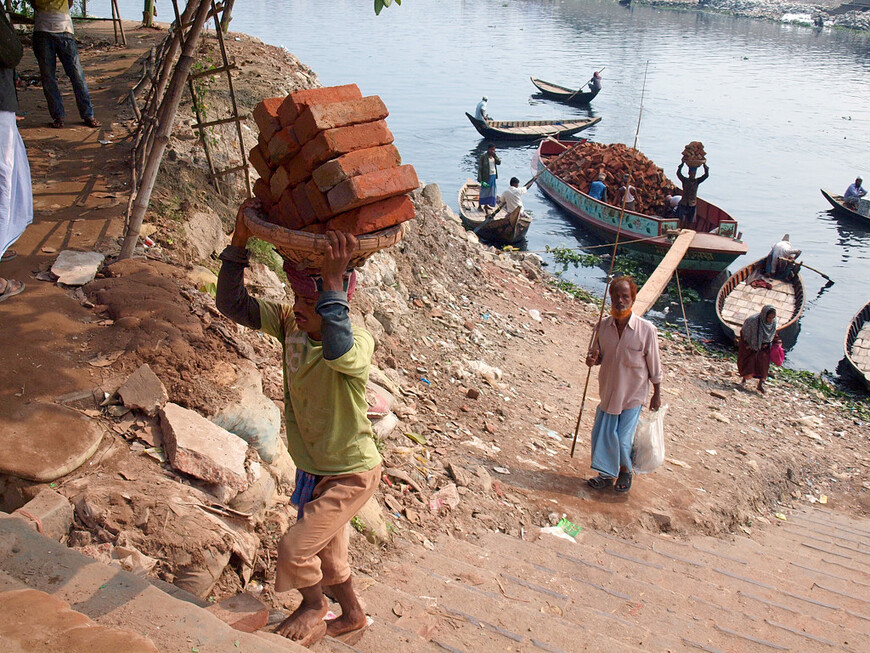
(580, 90)
(528, 184)
(593, 340)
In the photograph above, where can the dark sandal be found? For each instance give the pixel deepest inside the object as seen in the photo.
(93, 123)
(599, 482)
(11, 287)
(8, 255)
(57, 124)
(623, 482)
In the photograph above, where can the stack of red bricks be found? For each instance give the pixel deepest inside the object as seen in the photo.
(326, 162)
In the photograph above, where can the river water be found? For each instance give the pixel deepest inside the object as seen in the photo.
(782, 110)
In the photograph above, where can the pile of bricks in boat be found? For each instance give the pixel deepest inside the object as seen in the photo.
(581, 166)
(326, 162)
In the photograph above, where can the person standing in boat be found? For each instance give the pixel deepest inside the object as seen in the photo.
(854, 193)
(689, 201)
(598, 189)
(757, 336)
(627, 194)
(627, 349)
(595, 82)
(487, 173)
(480, 111)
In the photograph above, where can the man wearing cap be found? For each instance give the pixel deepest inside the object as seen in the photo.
(326, 368)
(854, 193)
(480, 111)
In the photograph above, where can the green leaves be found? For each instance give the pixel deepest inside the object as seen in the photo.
(380, 4)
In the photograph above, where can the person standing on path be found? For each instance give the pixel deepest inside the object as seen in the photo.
(689, 200)
(627, 349)
(487, 173)
(16, 192)
(329, 436)
(757, 336)
(53, 39)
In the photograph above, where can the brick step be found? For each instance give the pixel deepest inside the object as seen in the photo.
(522, 600)
(845, 524)
(653, 609)
(113, 597)
(450, 629)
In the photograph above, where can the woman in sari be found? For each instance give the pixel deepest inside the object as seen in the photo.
(756, 337)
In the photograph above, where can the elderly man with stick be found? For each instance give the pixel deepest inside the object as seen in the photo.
(626, 347)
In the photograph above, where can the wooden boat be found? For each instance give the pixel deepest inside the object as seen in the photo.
(840, 207)
(503, 230)
(738, 299)
(564, 94)
(857, 344)
(529, 130)
(713, 248)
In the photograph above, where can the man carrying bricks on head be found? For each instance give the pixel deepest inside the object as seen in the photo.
(326, 367)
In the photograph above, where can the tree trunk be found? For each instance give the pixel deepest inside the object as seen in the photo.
(227, 15)
(165, 121)
(148, 13)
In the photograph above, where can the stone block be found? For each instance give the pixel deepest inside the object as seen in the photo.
(316, 118)
(202, 449)
(76, 268)
(374, 217)
(355, 163)
(341, 140)
(50, 513)
(243, 612)
(143, 391)
(372, 187)
(283, 146)
(266, 117)
(294, 103)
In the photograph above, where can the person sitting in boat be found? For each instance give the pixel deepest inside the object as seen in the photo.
(781, 260)
(598, 189)
(487, 173)
(626, 193)
(595, 82)
(854, 193)
(480, 111)
(672, 206)
(757, 336)
(512, 198)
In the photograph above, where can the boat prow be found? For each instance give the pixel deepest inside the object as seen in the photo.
(857, 344)
(840, 208)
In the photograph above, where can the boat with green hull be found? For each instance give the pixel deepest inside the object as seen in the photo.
(648, 237)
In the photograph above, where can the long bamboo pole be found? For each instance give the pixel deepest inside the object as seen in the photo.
(165, 121)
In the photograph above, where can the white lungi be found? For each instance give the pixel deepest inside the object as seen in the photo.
(16, 191)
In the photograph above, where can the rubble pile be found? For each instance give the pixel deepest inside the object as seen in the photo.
(326, 161)
(582, 165)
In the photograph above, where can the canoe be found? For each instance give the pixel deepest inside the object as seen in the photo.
(713, 248)
(841, 209)
(529, 130)
(564, 94)
(857, 344)
(503, 230)
(737, 299)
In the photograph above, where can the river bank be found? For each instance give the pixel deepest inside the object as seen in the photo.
(479, 350)
(786, 11)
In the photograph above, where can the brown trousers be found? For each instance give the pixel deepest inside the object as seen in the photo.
(314, 550)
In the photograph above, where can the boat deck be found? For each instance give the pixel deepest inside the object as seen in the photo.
(745, 301)
(713, 242)
(860, 351)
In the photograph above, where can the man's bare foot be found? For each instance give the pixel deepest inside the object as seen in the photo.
(305, 620)
(353, 620)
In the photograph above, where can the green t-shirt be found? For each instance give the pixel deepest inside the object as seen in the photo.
(325, 406)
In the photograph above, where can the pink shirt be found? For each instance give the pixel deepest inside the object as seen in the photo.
(628, 364)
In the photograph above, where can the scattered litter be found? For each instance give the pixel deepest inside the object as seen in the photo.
(570, 528)
(156, 453)
(101, 142)
(823, 499)
(416, 437)
(558, 532)
(535, 314)
(780, 515)
(501, 470)
(678, 463)
(712, 452)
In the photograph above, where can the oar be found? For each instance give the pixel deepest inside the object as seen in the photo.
(580, 90)
(528, 184)
(819, 272)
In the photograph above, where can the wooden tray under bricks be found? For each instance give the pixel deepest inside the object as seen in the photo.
(306, 250)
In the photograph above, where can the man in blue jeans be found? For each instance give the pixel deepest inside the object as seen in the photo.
(53, 39)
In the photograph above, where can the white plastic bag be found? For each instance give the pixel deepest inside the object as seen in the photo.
(648, 450)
